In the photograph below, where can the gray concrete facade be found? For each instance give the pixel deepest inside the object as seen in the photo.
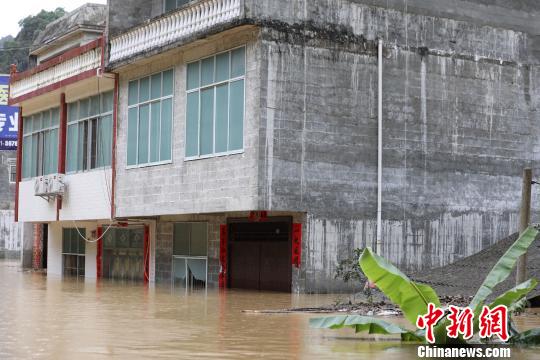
(461, 106)
(7, 188)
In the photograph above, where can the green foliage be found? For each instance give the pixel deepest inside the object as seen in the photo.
(16, 50)
(366, 324)
(413, 298)
(529, 337)
(503, 267)
(515, 294)
(349, 269)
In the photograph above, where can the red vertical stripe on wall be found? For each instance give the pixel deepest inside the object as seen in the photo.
(99, 253)
(61, 147)
(223, 233)
(146, 253)
(19, 163)
(113, 155)
(297, 245)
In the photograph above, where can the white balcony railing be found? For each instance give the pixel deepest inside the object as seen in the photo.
(74, 66)
(177, 25)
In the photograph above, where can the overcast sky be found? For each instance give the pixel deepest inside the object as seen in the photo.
(13, 11)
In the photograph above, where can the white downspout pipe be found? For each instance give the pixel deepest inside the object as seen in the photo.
(380, 151)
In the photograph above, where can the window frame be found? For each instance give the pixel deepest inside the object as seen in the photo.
(190, 257)
(165, 11)
(98, 117)
(77, 255)
(215, 85)
(149, 102)
(40, 155)
(12, 176)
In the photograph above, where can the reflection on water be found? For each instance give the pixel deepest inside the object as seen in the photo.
(68, 319)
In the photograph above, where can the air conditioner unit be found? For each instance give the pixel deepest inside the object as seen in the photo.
(39, 186)
(56, 184)
(49, 186)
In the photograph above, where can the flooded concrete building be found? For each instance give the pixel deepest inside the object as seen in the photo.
(65, 141)
(250, 148)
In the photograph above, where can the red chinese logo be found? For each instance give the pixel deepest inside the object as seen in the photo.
(491, 322)
(461, 322)
(494, 322)
(429, 320)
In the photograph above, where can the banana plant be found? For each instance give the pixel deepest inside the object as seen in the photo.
(413, 298)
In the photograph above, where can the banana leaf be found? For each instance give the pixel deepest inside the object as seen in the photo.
(366, 324)
(503, 267)
(529, 337)
(515, 294)
(411, 297)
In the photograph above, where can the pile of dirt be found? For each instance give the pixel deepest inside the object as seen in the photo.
(464, 277)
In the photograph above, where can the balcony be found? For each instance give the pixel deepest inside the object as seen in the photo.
(175, 26)
(66, 68)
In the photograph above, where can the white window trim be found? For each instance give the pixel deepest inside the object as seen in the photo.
(12, 163)
(215, 85)
(148, 102)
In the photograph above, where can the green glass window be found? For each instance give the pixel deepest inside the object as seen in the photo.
(73, 241)
(190, 261)
(215, 104)
(89, 133)
(150, 119)
(190, 239)
(40, 144)
(73, 251)
(170, 5)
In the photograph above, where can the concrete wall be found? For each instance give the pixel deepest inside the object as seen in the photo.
(88, 197)
(124, 14)
(164, 245)
(27, 244)
(10, 231)
(460, 109)
(461, 100)
(217, 184)
(7, 189)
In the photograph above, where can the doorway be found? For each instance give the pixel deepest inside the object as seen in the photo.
(44, 245)
(260, 255)
(123, 254)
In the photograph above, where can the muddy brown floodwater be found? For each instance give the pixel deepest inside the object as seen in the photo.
(51, 318)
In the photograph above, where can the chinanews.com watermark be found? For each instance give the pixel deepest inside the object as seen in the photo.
(431, 351)
(492, 324)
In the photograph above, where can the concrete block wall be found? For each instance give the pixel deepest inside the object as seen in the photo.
(122, 15)
(164, 245)
(460, 110)
(217, 184)
(461, 101)
(7, 189)
(10, 232)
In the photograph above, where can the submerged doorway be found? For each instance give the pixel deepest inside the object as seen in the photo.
(260, 255)
(123, 254)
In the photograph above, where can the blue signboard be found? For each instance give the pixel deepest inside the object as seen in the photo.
(9, 118)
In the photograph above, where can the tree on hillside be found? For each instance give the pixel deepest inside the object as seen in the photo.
(15, 51)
